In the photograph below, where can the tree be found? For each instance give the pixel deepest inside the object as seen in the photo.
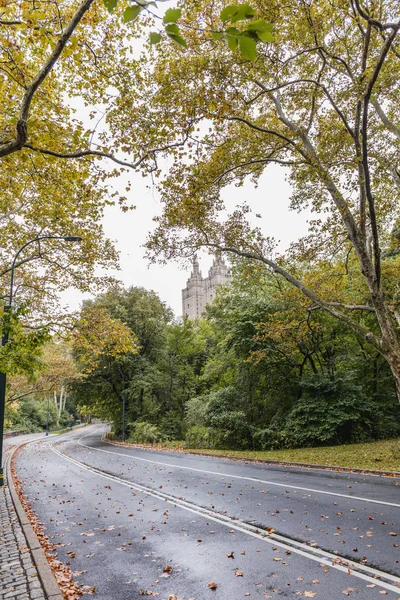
(53, 56)
(322, 102)
(32, 393)
(134, 373)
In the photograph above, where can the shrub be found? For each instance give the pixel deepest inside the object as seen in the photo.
(230, 427)
(146, 433)
(198, 437)
(196, 411)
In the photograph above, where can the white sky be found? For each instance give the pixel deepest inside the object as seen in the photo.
(129, 232)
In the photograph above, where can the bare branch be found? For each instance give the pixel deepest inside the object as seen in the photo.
(82, 153)
(260, 161)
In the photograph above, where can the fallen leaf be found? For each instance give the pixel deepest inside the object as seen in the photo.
(167, 569)
(212, 585)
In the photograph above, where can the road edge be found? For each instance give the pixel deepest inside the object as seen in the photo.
(336, 468)
(45, 574)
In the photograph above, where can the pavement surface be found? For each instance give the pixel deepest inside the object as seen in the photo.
(132, 522)
(18, 576)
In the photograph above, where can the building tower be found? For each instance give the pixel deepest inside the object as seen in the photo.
(199, 291)
(193, 296)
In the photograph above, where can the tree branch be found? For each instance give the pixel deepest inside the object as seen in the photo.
(21, 262)
(387, 122)
(82, 153)
(374, 22)
(262, 129)
(361, 331)
(22, 124)
(318, 84)
(309, 153)
(364, 144)
(353, 306)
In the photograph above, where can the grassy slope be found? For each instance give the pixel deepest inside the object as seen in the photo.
(382, 456)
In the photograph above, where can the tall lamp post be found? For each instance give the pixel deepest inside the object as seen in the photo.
(4, 339)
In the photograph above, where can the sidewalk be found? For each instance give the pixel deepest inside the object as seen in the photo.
(18, 576)
(19, 579)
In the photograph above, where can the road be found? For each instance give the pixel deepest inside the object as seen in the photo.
(140, 522)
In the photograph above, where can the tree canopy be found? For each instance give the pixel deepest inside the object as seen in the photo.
(322, 102)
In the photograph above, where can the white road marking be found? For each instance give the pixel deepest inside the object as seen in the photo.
(346, 566)
(263, 481)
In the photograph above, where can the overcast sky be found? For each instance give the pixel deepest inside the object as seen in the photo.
(129, 232)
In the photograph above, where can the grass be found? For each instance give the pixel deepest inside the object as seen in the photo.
(383, 455)
(380, 456)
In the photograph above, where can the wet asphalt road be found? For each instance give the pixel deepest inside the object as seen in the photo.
(123, 537)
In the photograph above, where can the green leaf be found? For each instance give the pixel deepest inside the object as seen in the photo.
(155, 37)
(110, 5)
(248, 48)
(178, 39)
(266, 36)
(228, 12)
(216, 35)
(244, 11)
(172, 15)
(232, 42)
(233, 31)
(131, 13)
(259, 25)
(173, 29)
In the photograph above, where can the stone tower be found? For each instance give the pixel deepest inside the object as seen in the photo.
(198, 291)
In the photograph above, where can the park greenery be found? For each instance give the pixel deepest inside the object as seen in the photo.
(302, 348)
(258, 371)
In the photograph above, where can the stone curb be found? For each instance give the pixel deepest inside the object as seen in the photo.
(267, 461)
(46, 576)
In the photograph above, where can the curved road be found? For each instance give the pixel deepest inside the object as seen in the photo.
(135, 522)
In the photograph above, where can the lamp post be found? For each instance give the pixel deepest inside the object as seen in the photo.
(47, 415)
(4, 339)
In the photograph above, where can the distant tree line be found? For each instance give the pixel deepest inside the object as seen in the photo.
(259, 371)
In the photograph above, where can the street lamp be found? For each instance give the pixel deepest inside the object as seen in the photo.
(4, 339)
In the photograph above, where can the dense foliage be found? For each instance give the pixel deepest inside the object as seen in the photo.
(258, 371)
(41, 396)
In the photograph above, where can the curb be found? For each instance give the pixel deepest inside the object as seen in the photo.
(46, 576)
(336, 468)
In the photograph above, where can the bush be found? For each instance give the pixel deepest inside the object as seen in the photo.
(196, 411)
(198, 437)
(33, 414)
(230, 428)
(172, 426)
(146, 433)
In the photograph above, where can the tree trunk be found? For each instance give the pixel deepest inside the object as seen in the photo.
(393, 359)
